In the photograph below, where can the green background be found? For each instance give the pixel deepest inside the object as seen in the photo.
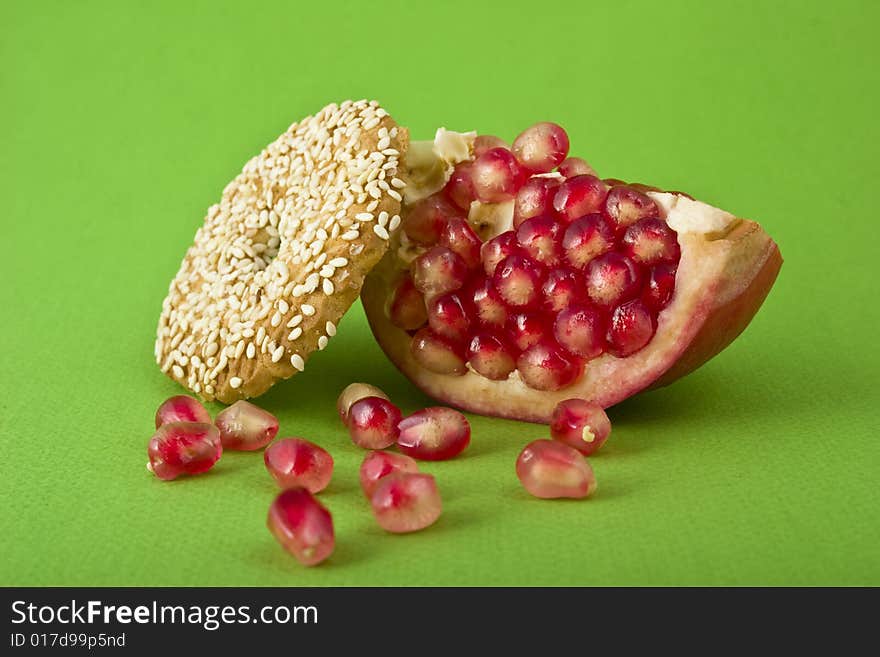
(121, 122)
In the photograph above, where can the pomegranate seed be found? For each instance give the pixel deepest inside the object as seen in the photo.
(626, 205)
(562, 288)
(587, 238)
(518, 280)
(296, 462)
(244, 426)
(540, 238)
(485, 143)
(497, 249)
(550, 469)
(460, 238)
(579, 196)
(438, 271)
(612, 278)
(447, 317)
(651, 241)
(630, 328)
(534, 199)
(580, 424)
(378, 465)
(372, 423)
(302, 525)
(181, 409)
(580, 331)
(437, 354)
(180, 448)
(489, 308)
(490, 357)
(406, 307)
(658, 290)
(541, 147)
(460, 186)
(545, 367)
(352, 393)
(497, 176)
(426, 219)
(528, 329)
(575, 166)
(406, 502)
(434, 434)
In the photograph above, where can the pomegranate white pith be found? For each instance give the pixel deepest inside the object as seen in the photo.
(725, 269)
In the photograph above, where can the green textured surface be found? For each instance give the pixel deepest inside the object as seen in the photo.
(121, 122)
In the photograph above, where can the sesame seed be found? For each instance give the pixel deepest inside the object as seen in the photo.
(397, 182)
(297, 361)
(307, 309)
(278, 354)
(327, 271)
(339, 262)
(294, 334)
(178, 371)
(330, 327)
(349, 235)
(276, 319)
(282, 306)
(381, 232)
(251, 350)
(364, 216)
(327, 286)
(295, 321)
(322, 342)
(235, 382)
(395, 195)
(383, 218)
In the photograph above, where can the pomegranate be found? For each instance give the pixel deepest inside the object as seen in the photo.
(406, 502)
(245, 426)
(184, 448)
(302, 525)
(181, 408)
(296, 462)
(434, 434)
(580, 424)
(379, 464)
(550, 469)
(579, 287)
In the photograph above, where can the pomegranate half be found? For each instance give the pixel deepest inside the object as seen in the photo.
(573, 287)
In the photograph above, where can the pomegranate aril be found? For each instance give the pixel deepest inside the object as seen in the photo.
(630, 328)
(302, 525)
(378, 464)
(550, 469)
(372, 423)
(497, 249)
(579, 196)
(541, 237)
(425, 221)
(437, 271)
(489, 356)
(406, 306)
(580, 330)
(352, 393)
(298, 462)
(406, 502)
(527, 329)
(181, 408)
(562, 287)
(612, 279)
(485, 143)
(626, 205)
(534, 199)
(447, 317)
(489, 307)
(180, 448)
(460, 238)
(587, 238)
(575, 166)
(659, 287)
(519, 281)
(437, 354)
(460, 186)
(580, 424)
(651, 241)
(246, 427)
(541, 147)
(434, 434)
(497, 175)
(545, 366)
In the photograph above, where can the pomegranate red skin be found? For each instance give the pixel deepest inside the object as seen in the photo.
(302, 525)
(549, 469)
(408, 502)
(434, 434)
(184, 448)
(296, 462)
(580, 424)
(181, 408)
(380, 464)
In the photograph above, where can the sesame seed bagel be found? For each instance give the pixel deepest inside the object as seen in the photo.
(284, 254)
